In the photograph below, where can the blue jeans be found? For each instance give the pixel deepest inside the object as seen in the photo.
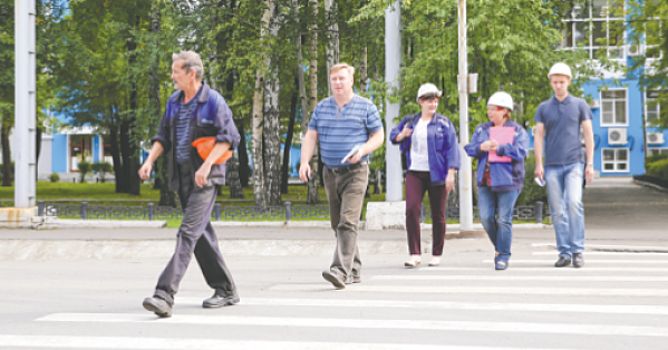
(496, 214)
(564, 192)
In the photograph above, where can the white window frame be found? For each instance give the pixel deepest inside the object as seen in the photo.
(658, 110)
(593, 45)
(626, 100)
(650, 149)
(615, 162)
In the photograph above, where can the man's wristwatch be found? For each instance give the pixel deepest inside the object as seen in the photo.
(592, 164)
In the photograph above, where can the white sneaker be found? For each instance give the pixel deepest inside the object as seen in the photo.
(435, 261)
(414, 261)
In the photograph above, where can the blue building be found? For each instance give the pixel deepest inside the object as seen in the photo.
(622, 110)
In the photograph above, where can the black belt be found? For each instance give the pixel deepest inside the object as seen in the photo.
(349, 168)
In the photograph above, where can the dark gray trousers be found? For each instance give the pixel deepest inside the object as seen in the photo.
(345, 188)
(196, 235)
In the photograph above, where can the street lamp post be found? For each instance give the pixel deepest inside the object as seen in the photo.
(393, 174)
(465, 194)
(24, 104)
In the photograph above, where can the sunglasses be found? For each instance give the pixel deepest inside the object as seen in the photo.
(430, 98)
(495, 108)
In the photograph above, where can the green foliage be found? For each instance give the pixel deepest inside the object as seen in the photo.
(84, 168)
(54, 177)
(647, 21)
(658, 168)
(531, 193)
(102, 169)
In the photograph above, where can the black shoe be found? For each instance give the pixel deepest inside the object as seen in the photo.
(333, 279)
(220, 299)
(354, 279)
(578, 260)
(562, 262)
(159, 306)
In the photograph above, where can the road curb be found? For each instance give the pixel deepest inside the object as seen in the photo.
(613, 248)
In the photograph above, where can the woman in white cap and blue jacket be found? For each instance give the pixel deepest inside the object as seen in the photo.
(430, 143)
(499, 183)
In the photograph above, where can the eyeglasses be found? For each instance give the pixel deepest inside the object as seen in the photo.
(430, 98)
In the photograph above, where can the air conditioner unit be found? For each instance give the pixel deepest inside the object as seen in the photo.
(594, 104)
(655, 138)
(617, 136)
(634, 50)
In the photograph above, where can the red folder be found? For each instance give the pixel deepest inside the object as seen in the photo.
(502, 135)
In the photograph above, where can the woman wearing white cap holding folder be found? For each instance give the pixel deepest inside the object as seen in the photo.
(500, 146)
(429, 141)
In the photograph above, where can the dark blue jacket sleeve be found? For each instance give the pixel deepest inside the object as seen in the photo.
(163, 135)
(396, 131)
(453, 149)
(227, 131)
(519, 149)
(473, 148)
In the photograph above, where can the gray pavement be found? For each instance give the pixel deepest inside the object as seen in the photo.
(82, 289)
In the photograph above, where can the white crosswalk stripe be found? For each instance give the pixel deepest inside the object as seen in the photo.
(142, 343)
(409, 304)
(458, 300)
(478, 326)
(498, 278)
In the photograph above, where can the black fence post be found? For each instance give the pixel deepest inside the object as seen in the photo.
(151, 211)
(40, 208)
(84, 210)
(288, 211)
(538, 212)
(217, 209)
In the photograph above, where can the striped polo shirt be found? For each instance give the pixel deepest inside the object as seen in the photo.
(340, 129)
(182, 126)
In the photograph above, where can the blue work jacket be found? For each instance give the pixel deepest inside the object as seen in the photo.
(504, 176)
(211, 117)
(443, 145)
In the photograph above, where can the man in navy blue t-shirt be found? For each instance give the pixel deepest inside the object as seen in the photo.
(558, 122)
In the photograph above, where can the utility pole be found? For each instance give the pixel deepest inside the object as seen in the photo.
(24, 104)
(465, 194)
(393, 173)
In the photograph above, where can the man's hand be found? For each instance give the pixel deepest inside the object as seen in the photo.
(589, 173)
(450, 181)
(539, 172)
(305, 172)
(202, 175)
(145, 170)
(356, 158)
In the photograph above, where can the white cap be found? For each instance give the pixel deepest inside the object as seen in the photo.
(428, 89)
(560, 69)
(501, 99)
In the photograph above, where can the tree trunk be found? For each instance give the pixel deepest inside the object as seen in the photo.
(288, 141)
(38, 149)
(312, 197)
(132, 165)
(121, 186)
(331, 14)
(272, 118)
(244, 167)
(364, 77)
(7, 171)
(232, 177)
(258, 119)
(125, 159)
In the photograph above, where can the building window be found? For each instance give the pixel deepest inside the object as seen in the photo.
(652, 106)
(596, 26)
(613, 108)
(615, 160)
(658, 151)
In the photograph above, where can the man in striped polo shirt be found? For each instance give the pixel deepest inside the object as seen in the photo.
(342, 123)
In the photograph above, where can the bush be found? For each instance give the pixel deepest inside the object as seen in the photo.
(54, 177)
(102, 169)
(658, 168)
(531, 193)
(84, 168)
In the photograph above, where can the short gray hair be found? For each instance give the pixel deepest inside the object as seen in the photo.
(191, 61)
